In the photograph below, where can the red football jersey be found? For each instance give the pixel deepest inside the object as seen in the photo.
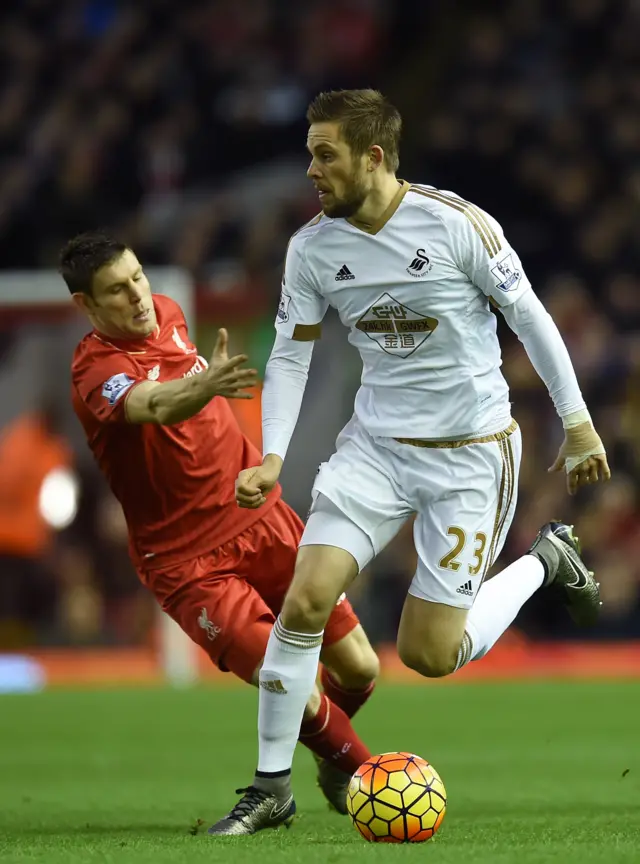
(176, 484)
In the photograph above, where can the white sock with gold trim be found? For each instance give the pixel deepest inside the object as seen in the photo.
(287, 678)
(498, 602)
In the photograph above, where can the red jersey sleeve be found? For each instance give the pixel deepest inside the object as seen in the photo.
(103, 380)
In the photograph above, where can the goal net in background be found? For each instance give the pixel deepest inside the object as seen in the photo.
(69, 598)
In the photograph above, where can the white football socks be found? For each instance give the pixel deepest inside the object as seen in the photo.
(287, 678)
(498, 602)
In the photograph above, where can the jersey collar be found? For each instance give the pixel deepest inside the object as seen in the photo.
(128, 346)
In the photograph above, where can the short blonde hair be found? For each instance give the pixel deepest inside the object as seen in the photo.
(366, 118)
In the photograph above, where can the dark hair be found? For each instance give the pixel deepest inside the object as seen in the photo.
(365, 117)
(82, 257)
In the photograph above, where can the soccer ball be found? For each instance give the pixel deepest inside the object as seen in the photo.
(396, 798)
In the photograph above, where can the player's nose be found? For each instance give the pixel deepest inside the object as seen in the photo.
(312, 170)
(135, 292)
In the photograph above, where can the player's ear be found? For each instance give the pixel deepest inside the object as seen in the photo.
(83, 301)
(376, 157)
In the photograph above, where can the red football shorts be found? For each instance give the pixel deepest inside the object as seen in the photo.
(227, 601)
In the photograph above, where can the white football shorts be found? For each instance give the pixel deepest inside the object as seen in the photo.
(463, 495)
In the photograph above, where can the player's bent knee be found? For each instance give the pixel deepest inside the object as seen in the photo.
(429, 663)
(429, 636)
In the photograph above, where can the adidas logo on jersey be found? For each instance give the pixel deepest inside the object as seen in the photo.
(466, 589)
(420, 265)
(344, 273)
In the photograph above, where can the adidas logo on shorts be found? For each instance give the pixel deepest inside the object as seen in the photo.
(275, 686)
(467, 589)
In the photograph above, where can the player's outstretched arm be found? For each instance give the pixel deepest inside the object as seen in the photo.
(582, 455)
(172, 402)
(284, 385)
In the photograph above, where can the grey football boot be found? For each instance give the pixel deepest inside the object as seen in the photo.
(333, 784)
(255, 811)
(557, 547)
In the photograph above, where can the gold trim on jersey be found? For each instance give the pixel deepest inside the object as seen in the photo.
(453, 445)
(483, 229)
(388, 213)
(311, 222)
(308, 224)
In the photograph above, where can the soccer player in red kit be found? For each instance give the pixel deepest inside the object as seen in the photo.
(157, 421)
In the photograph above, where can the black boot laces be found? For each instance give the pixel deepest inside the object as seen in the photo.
(246, 805)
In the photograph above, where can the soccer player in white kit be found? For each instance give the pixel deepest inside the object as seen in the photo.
(412, 271)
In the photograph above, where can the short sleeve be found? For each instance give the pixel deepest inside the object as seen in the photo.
(102, 383)
(482, 252)
(300, 302)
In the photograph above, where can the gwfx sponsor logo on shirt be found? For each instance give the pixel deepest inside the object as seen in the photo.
(396, 328)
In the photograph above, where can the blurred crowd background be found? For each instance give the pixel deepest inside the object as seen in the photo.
(181, 128)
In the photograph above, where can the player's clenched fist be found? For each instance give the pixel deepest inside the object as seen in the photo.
(582, 456)
(254, 484)
(225, 374)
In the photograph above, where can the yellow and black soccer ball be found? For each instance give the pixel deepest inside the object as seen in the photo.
(396, 798)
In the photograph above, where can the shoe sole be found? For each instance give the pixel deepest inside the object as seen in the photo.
(286, 823)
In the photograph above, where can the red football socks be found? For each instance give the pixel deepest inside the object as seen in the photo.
(330, 735)
(349, 700)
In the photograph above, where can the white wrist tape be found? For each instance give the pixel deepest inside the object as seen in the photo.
(581, 440)
(576, 418)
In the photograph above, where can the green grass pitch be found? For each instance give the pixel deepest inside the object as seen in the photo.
(535, 773)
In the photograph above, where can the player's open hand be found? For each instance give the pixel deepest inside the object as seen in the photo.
(254, 484)
(583, 458)
(227, 377)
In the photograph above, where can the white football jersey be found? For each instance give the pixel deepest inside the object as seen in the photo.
(414, 293)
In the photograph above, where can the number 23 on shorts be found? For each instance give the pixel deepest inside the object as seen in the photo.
(450, 560)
